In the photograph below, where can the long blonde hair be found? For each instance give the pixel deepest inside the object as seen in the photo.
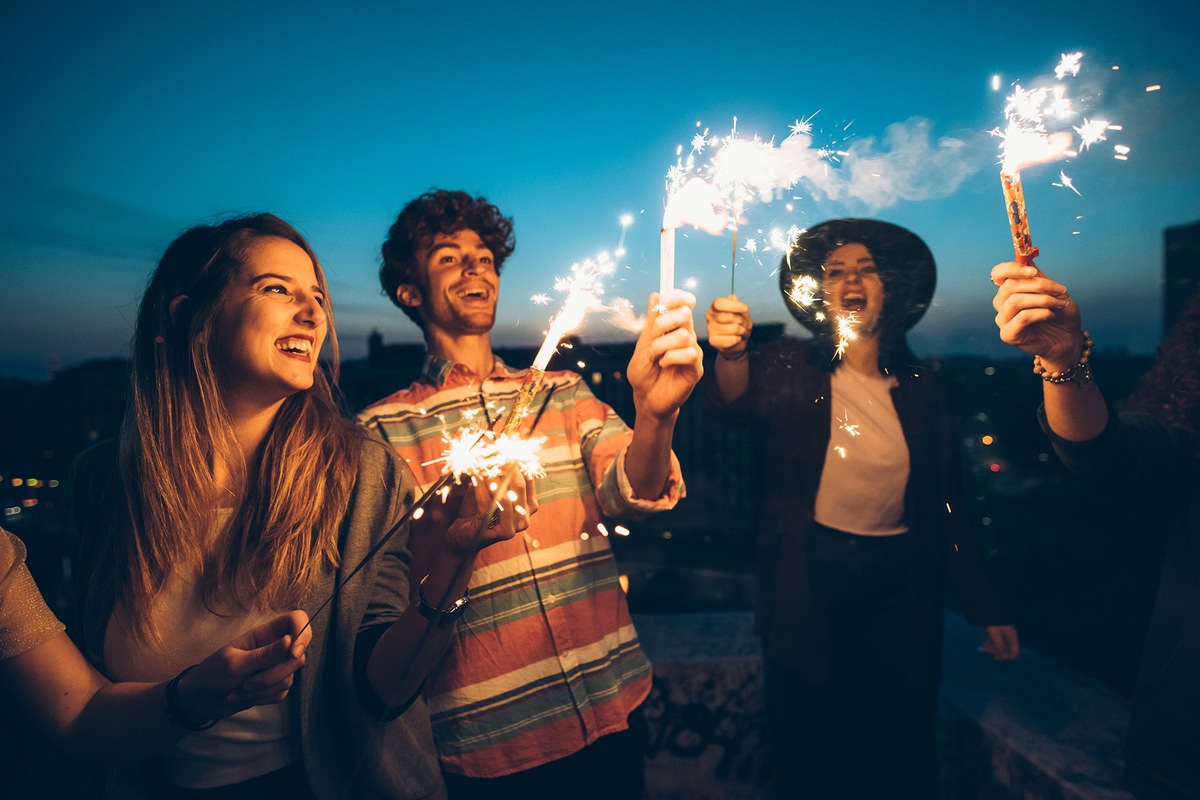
(284, 528)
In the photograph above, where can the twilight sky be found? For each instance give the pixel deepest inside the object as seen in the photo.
(126, 122)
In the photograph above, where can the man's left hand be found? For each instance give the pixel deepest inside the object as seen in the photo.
(667, 362)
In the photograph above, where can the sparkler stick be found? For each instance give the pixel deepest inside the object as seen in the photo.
(410, 514)
(666, 261)
(1018, 222)
(583, 289)
(733, 254)
(525, 395)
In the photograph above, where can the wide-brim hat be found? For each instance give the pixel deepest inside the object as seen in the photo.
(905, 263)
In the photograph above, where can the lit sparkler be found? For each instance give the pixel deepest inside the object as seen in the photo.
(484, 454)
(712, 195)
(1027, 139)
(583, 288)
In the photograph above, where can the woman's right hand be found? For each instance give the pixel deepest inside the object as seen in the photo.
(729, 326)
(1035, 314)
(257, 668)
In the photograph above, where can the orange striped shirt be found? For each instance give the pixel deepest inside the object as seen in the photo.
(546, 659)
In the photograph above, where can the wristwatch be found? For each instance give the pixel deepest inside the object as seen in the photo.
(443, 617)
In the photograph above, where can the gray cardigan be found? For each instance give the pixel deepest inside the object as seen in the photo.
(350, 750)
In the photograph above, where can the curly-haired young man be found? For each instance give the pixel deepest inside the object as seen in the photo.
(542, 687)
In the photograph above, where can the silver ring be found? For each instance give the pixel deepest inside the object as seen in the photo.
(494, 519)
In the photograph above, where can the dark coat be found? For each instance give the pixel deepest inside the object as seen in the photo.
(1141, 458)
(788, 408)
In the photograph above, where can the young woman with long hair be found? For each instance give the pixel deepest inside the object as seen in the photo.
(238, 489)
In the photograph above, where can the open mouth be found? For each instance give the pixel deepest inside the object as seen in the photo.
(294, 345)
(854, 302)
(475, 293)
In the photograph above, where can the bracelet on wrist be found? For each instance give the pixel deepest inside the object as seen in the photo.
(443, 617)
(176, 713)
(1081, 373)
(742, 356)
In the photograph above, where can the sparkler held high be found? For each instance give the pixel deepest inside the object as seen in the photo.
(1026, 140)
(583, 288)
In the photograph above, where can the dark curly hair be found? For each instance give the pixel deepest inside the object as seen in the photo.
(439, 211)
(1171, 389)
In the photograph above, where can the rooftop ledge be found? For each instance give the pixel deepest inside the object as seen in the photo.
(1027, 729)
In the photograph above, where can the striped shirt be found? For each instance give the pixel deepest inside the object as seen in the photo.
(546, 659)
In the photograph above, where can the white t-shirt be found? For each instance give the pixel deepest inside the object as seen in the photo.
(248, 744)
(866, 465)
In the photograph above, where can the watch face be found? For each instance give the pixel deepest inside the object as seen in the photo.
(442, 616)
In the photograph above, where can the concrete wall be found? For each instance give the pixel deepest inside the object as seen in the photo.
(1029, 729)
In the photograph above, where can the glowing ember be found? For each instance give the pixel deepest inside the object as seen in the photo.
(483, 454)
(583, 288)
(844, 324)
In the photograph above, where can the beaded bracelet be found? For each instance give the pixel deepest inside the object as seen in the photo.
(175, 713)
(1081, 373)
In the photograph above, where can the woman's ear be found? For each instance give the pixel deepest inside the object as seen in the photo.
(408, 295)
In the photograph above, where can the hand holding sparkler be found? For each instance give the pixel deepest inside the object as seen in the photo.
(254, 669)
(667, 362)
(729, 327)
(1035, 314)
(477, 514)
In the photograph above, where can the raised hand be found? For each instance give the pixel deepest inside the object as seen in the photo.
(729, 326)
(667, 362)
(1035, 314)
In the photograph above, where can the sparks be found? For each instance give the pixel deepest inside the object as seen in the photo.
(1069, 65)
(1066, 182)
(482, 454)
(844, 424)
(1091, 131)
(804, 290)
(583, 287)
(846, 333)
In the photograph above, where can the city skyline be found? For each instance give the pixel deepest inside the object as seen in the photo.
(129, 124)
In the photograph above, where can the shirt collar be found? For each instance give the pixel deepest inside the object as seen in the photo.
(439, 371)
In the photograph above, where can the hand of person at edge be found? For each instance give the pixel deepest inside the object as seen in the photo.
(1001, 642)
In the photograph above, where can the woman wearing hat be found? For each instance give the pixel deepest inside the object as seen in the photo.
(857, 534)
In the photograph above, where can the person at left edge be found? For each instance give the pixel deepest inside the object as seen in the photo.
(541, 689)
(238, 489)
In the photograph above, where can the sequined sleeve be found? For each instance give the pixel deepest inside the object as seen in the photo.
(25, 619)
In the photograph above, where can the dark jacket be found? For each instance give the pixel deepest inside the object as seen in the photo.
(788, 408)
(1141, 458)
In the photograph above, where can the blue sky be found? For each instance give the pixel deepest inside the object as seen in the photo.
(125, 123)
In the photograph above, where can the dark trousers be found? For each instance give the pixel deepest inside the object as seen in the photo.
(858, 735)
(611, 768)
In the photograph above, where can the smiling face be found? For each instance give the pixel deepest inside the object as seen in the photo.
(459, 286)
(852, 286)
(270, 326)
